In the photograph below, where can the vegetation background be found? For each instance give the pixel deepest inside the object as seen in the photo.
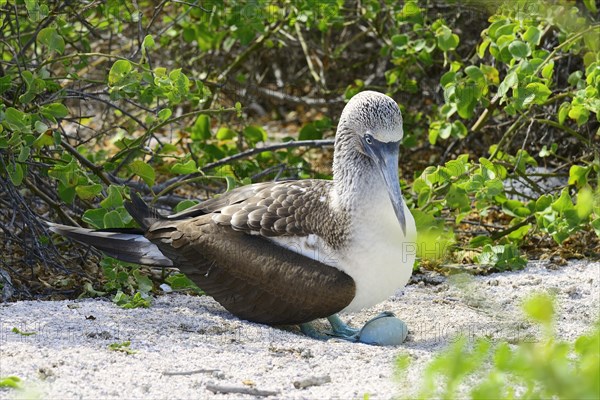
(181, 100)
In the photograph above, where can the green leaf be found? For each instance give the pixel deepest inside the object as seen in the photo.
(254, 134)
(144, 171)
(448, 78)
(520, 233)
(446, 39)
(148, 42)
(540, 308)
(503, 257)
(548, 70)
(578, 175)
(591, 5)
(16, 173)
(6, 82)
(95, 217)
(510, 81)
(144, 283)
(44, 139)
(66, 192)
(479, 241)
(456, 168)
(113, 199)
(457, 198)
(400, 40)
(579, 114)
(310, 132)
(500, 28)
(40, 127)
(24, 154)
(574, 78)
(563, 112)
(482, 47)
(10, 382)
(112, 219)
(87, 192)
(54, 110)
(188, 167)
(467, 97)
(540, 92)
(596, 225)
(543, 202)
(532, 35)
(20, 332)
(16, 120)
(585, 203)
(182, 282)
(128, 302)
(515, 208)
(50, 38)
(224, 133)
(564, 202)
(201, 128)
(164, 114)
(475, 73)
(119, 70)
(184, 205)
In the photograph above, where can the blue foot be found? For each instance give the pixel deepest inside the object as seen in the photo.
(311, 332)
(383, 330)
(340, 330)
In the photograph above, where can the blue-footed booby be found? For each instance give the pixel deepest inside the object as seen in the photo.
(290, 252)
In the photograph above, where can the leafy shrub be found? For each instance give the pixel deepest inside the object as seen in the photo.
(548, 368)
(99, 99)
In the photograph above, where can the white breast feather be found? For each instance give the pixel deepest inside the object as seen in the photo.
(311, 246)
(379, 258)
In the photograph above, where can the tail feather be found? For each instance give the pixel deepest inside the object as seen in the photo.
(143, 214)
(124, 246)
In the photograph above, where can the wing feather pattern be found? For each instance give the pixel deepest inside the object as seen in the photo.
(250, 276)
(275, 209)
(224, 246)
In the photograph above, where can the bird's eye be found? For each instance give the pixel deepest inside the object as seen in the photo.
(369, 139)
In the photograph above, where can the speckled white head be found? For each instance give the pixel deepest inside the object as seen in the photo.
(373, 113)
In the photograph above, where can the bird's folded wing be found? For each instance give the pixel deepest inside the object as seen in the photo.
(292, 208)
(250, 276)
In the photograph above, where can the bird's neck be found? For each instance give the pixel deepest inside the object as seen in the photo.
(355, 178)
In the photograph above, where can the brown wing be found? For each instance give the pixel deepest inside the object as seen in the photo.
(250, 276)
(215, 204)
(287, 208)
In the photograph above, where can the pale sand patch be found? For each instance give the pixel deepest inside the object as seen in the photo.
(68, 357)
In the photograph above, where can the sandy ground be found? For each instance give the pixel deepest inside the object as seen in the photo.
(189, 347)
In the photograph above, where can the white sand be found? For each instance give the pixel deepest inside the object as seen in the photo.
(68, 357)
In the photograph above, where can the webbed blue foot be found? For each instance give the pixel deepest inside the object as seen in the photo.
(383, 330)
(341, 330)
(311, 332)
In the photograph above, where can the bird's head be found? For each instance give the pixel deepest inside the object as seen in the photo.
(371, 124)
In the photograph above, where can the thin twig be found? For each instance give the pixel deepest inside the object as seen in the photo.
(185, 373)
(240, 390)
(564, 128)
(242, 57)
(513, 228)
(87, 163)
(54, 205)
(245, 154)
(309, 62)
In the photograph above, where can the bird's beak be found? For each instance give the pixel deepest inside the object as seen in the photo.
(385, 156)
